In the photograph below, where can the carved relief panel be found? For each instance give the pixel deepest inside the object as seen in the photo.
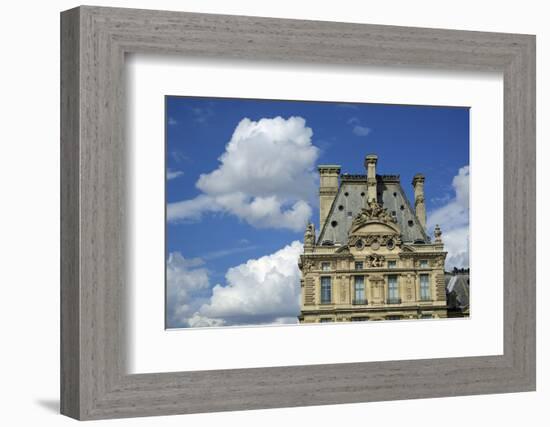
(376, 284)
(409, 288)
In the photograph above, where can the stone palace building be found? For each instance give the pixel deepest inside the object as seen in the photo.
(372, 259)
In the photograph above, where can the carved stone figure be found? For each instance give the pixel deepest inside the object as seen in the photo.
(437, 234)
(309, 235)
(375, 261)
(373, 211)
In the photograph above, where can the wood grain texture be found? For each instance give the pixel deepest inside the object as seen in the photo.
(94, 382)
(70, 297)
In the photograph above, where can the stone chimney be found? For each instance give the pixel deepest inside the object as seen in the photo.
(328, 188)
(419, 205)
(370, 166)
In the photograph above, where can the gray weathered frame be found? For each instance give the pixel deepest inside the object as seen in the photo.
(94, 41)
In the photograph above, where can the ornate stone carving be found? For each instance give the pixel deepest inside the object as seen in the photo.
(306, 265)
(375, 261)
(373, 211)
(371, 239)
(409, 287)
(309, 235)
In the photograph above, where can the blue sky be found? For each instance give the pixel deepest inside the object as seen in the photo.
(227, 228)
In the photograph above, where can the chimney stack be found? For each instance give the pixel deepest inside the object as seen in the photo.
(419, 205)
(328, 188)
(370, 166)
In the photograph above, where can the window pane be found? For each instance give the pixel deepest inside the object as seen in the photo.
(393, 290)
(326, 296)
(425, 287)
(392, 264)
(358, 265)
(359, 289)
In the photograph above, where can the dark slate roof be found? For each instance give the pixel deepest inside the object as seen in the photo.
(349, 202)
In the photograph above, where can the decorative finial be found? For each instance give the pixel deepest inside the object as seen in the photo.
(437, 234)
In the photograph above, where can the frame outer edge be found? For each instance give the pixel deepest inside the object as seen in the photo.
(89, 352)
(70, 396)
(527, 152)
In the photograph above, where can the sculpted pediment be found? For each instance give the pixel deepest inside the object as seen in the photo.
(373, 227)
(374, 219)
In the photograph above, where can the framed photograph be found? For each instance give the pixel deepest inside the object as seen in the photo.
(262, 213)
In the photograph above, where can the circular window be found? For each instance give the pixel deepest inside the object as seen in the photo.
(402, 207)
(411, 223)
(391, 244)
(334, 223)
(362, 194)
(346, 194)
(394, 194)
(359, 244)
(341, 208)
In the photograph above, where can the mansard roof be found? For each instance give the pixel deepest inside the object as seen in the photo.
(350, 199)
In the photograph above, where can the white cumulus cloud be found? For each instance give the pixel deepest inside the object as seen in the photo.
(186, 279)
(454, 220)
(266, 177)
(263, 290)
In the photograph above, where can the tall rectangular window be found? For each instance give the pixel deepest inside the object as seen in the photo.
(393, 290)
(425, 287)
(326, 290)
(359, 297)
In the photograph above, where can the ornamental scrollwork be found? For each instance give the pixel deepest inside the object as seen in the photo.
(389, 240)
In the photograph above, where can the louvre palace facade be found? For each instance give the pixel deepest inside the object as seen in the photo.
(372, 258)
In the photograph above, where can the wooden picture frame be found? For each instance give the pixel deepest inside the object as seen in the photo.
(94, 382)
